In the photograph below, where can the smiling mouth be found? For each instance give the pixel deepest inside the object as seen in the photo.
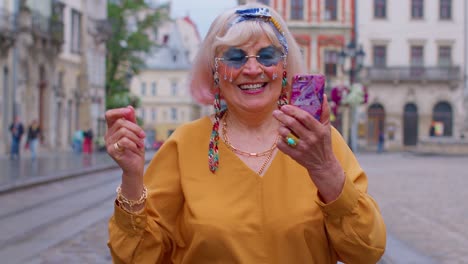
(252, 87)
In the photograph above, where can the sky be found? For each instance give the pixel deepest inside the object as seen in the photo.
(202, 12)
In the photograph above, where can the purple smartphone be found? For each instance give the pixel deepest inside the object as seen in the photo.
(307, 93)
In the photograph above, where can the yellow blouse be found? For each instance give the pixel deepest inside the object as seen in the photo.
(235, 216)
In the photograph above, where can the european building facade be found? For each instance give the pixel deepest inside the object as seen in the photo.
(53, 65)
(415, 64)
(162, 85)
(416, 71)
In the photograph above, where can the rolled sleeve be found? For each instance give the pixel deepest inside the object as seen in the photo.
(344, 204)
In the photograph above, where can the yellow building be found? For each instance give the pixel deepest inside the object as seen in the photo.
(162, 85)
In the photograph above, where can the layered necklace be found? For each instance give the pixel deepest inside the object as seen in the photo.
(268, 152)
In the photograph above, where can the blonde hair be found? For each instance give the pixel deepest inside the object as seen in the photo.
(222, 33)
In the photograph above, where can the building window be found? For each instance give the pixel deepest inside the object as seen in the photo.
(169, 132)
(265, 2)
(445, 9)
(60, 88)
(143, 114)
(174, 114)
(417, 58)
(143, 88)
(174, 87)
(153, 114)
(417, 9)
(297, 9)
(380, 8)
(4, 94)
(182, 116)
(445, 56)
(330, 10)
(75, 31)
(331, 60)
(417, 61)
(380, 56)
(153, 88)
(442, 116)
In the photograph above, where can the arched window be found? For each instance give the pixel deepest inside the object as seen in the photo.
(442, 115)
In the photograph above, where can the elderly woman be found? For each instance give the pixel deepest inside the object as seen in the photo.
(230, 188)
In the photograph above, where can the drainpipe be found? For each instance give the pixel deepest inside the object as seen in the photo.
(16, 17)
(354, 109)
(465, 67)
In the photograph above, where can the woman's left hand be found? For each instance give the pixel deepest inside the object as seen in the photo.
(314, 148)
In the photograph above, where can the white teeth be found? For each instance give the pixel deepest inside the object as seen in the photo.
(251, 86)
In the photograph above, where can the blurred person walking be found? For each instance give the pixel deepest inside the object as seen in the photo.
(17, 130)
(88, 142)
(77, 142)
(380, 145)
(34, 134)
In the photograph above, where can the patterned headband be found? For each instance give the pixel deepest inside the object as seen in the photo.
(262, 14)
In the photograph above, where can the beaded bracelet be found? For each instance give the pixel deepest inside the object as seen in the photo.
(124, 200)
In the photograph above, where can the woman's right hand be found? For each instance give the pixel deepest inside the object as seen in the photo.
(125, 144)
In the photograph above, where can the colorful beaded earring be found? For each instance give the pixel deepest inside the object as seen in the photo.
(283, 99)
(213, 155)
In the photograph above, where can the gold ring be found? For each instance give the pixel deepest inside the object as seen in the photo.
(292, 140)
(118, 147)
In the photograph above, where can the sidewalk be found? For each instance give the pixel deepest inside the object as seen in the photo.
(15, 174)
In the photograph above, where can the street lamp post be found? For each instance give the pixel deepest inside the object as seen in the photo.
(355, 55)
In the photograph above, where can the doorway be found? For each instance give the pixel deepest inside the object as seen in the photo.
(410, 125)
(375, 123)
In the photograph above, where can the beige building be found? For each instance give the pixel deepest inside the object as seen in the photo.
(53, 68)
(416, 58)
(7, 40)
(79, 83)
(162, 85)
(29, 48)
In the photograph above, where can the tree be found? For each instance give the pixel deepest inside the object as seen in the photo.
(131, 21)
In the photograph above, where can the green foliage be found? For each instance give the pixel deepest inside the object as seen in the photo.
(130, 20)
(140, 121)
(122, 99)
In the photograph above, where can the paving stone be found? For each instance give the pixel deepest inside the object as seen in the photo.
(422, 198)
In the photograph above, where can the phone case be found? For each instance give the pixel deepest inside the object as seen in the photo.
(307, 93)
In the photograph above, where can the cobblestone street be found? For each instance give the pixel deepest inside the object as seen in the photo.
(89, 247)
(421, 198)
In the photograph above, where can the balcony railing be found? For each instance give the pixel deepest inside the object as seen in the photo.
(7, 30)
(47, 27)
(99, 29)
(435, 74)
(6, 21)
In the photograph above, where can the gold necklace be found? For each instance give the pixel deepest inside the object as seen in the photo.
(268, 153)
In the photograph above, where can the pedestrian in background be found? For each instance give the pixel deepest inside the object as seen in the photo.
(381, 141)
(33, 137)
(432, 129)
(77, 142)
(260, 181)
(88, 141)
(16, 130)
